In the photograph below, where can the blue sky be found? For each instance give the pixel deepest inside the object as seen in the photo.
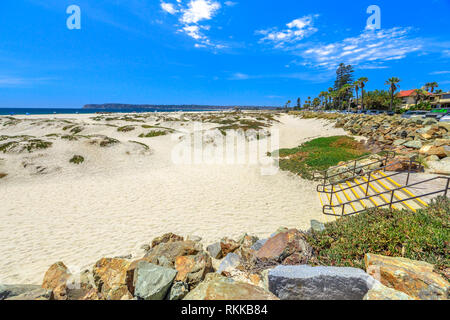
(240, 52)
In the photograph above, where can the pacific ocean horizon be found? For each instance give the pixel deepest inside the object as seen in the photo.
(44, 111)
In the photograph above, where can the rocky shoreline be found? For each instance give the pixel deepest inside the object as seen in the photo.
(427, 139)
(278, 268)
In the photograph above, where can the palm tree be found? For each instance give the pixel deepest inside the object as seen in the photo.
(362, 83)
(431, 85)
(356, 85)
(393, 86)
(419, 94)
(323, 95)
(344, 92)
(288, 103)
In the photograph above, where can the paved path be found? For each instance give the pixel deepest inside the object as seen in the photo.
(424, 188)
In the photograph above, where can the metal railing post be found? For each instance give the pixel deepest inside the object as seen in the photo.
(446, 188)
(392, 199)
(386, 163)
(409, 171)
(368, 184)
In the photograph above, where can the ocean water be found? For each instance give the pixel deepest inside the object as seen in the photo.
(30, 111)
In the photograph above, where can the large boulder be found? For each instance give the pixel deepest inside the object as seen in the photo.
(430, 150)
(56, 279)
(228, 245)
(317, 226)
(152, 282)
(304, 282)
(215, 250)
(193, 269)
(231, 262)
(165, 254)
(414, 144)
(258, 244)
(284, 244)
(168, 237)
(217, 287)
(381, 292)
(110, 276)
(415, 278)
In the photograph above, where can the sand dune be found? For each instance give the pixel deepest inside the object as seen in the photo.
(124, 195)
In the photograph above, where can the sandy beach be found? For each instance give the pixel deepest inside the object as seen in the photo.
(127, 193)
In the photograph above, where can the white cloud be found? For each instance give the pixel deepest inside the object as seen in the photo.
(190, 17)
(168, 7)
(19, 82)
(297, 30)
(230, 3)
(240, 76)
(193, 31)
(199, 10)
(368, 50)
(439, 72)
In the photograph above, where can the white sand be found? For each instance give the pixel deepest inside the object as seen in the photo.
(115, 202)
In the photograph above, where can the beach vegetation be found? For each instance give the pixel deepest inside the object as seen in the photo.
(146, 147)
(65, 128)
(320, 154)
(77, 159)
(126, 128)
(244, 125)
(423, 235)
(153, 134)
(37, 144)
(29, 145)
(107, 141)
(69, 137)
(76, 130)
(51, 135)
(2, 175)
(157, 126)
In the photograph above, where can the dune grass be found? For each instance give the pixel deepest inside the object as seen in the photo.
(126, 129)
(30, 145)
(77, 159)
(152, 134)
(424, 236)
(320, 154)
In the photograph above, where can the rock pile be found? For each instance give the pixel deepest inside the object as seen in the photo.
(427, 138)
(175, 268)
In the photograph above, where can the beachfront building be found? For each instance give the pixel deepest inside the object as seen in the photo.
(441, 100)
(408, 98)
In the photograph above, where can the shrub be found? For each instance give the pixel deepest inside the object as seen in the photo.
(125, 129)
(2, 175)
(76, 130)
(152, 134)
(77, 159)
(423, 235)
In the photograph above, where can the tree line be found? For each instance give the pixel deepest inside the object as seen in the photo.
(348, 93)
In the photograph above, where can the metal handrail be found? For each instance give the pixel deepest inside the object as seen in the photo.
(391, 202)
(382, 168)
(325, 172)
